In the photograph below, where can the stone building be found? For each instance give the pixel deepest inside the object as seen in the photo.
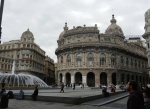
(84, 55)
(146, 35)
(49, 71)
(29, 57)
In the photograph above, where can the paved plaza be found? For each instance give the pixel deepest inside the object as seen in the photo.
(95, 104)
(27, 104)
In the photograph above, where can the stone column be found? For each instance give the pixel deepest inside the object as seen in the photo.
(72, 79)
(97, 79)
(84, 81)
(118, 77)
(63, 78)
(109, 78)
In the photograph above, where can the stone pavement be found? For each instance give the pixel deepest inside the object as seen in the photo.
(70, 96)
(27, 104)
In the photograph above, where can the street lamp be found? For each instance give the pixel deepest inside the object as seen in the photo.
(1, 13)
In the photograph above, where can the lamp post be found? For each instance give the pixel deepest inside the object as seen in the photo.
(1, 13)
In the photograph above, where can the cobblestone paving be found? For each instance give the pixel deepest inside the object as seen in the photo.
(27, 104)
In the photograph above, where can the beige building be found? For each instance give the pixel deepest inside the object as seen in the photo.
(49, 71)
(84, 55)
(29, 57)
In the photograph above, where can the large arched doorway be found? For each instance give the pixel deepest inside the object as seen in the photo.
(114, 78)
(132, 77)
(140, 78)
(60, 77)
(144, 83)
(103, 78)
(91, 79)
(128, 77)
(68, 79)
(78, 78)
(137, 79)
(122, 78)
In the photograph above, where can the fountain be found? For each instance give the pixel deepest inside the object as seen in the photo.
(20, 80)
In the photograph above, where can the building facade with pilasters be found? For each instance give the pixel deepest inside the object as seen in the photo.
(84, 55)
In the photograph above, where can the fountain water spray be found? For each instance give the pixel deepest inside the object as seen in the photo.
(20, 79)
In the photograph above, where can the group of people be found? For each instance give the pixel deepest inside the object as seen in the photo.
(20, 95)
(138, 99)
(73, 86)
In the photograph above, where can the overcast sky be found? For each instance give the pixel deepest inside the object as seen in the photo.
(46, 18)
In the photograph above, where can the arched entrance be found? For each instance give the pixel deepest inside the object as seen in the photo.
(103, 78)
(122, 78)
(132, 77)
(144, 81)
(140, 78)
(60, 77)
(78, 78)
(137, 79)
(114, 78)
(68, 79)
(128, 77)
(91, 79)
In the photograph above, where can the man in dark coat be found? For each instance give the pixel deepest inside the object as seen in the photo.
(35, 94)
(62, 87)
(135, 100)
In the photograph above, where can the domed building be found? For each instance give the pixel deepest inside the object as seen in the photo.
(29, 57)
(84, 55)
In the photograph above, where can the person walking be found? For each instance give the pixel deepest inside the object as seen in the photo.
(35, 94)
(74, 86)
(62, 87)
(135, 100)
(146, 95)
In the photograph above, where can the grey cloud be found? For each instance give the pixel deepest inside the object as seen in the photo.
(46, 18)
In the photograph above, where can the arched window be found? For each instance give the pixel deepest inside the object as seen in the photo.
(61, 59)
(127, 61)
(78, 59)
(90, 59)
(135, 64)
(131, 63)
(122, 60)
(102, 59)
(68, 60)
(113, 60)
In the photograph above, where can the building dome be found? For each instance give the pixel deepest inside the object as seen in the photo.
(114, 28)
(27, 34)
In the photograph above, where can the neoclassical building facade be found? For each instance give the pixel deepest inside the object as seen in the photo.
(49, 71)
(29, 57)
(84, 55)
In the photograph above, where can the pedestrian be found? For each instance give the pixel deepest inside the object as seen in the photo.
(35, 94)
(3, 88)
(146, 95)
(135, 100)
(10, 94)
(74, 86)
(62, 87)
(83, 86)
(21, 95)
(104, 92)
